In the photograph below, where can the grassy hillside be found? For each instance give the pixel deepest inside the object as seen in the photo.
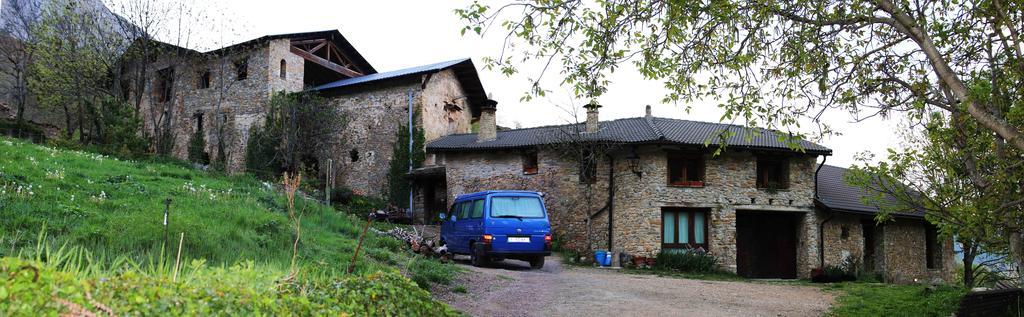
(96, 217)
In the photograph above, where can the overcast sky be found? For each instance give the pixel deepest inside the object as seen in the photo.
(397, 34)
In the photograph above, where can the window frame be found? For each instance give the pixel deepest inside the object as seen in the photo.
(283, 69)
(529, 157)
(691, 216)
(685, 158)
(762, 180)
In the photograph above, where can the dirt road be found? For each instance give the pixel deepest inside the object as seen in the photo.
(510, 288)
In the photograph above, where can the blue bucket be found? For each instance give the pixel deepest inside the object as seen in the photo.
(600, 257)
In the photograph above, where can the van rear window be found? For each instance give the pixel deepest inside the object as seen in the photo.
(516, 207)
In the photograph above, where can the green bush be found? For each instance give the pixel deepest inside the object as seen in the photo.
(197, 149)
(426, 271)
(32, 288)
(341, 195)
(688, 260)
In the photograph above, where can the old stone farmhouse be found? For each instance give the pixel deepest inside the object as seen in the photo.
(762, 208)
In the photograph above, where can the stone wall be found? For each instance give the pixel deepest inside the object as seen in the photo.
(729, 186)
(902, 255)
(234, 105)
(565, 197)
(372, 119)
(445, 107)
(838, 248)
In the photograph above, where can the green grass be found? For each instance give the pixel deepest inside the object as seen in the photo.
(714, 276)
(862, 299)
(111, 211)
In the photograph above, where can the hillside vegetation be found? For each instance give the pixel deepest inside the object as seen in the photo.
(85, 231)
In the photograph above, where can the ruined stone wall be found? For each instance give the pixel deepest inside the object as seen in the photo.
(730, 185)
(280, 50)
(445, 107)
(565, 197)
(234, 105)
(372, 119)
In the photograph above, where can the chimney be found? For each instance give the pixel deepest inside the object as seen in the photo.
(648, 115)
(592, 121)
(488, 129)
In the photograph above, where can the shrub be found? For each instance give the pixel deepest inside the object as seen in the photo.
(197, 149)
(688, 260)
(341, 195)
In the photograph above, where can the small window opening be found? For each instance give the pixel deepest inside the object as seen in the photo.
(164, 84)
(242, 69)
(530, 163)
(203, 81)
(932, 245)
(353, 155)
(772, 173)
(199, 122)
(686, 170)
(844, 232)
(284, 69)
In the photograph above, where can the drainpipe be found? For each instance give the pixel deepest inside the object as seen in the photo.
(411, 127)
(821, 225)
(611, 198)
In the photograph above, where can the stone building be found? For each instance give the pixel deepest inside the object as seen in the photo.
(761, 207)
(230, 88)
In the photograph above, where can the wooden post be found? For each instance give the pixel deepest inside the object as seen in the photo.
(327, 185)
(177, 261)
(352, 265)
(167, 213)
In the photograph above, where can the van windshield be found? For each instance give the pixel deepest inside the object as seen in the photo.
(516, 207)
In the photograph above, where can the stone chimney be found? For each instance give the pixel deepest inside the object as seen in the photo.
(488, 123)
(648, 115)
(593, 123)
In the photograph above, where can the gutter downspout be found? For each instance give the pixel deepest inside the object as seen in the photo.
(409, 211)
(611, 199)
(821, 225)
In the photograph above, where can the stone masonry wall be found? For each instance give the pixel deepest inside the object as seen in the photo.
(365, 143)
(903, 256)
(837, 248)
(237, 105)
(565, 198)
(445, 107)
(729, 186)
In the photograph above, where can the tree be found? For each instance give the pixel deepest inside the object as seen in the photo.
(398, 168)
(20, 18)
(774, 63)
(73, 56)
(929, 175)
(298, 134)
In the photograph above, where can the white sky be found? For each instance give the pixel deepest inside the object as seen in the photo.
(393, 34)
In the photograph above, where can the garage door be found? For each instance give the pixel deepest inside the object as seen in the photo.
(766, 244)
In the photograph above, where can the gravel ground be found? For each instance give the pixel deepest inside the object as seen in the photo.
(510, 288)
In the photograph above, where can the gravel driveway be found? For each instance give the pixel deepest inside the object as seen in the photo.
(510, 288)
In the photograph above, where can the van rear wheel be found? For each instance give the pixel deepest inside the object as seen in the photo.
(478, 257)
(537, 262)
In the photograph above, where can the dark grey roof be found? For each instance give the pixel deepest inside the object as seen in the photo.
(463, 68)
(633, 130)
(836, 194)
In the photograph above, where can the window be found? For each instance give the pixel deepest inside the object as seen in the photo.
(284, 69)
(932, 247)
(199, 122)
(164, 84)
(772, 173)
(686, 170)
(242, 69)
(463, 210)
(516, 207)
(353, 155)
(588, 168)
(844, 232)
(683, 228)
(530, 163)
(203, 80)
(478, 209)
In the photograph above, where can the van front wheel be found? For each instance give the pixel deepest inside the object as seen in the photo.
(478, 257)
(537, 262)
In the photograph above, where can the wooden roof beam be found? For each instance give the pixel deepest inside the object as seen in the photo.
(325, 63)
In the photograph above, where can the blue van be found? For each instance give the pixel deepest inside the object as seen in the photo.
(498, 224)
